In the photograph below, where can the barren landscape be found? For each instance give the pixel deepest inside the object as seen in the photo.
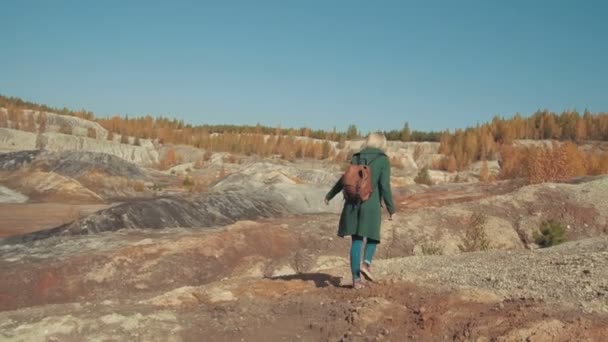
(319, 171)
(97, 247)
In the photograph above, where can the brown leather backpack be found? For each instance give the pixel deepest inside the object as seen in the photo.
(357, 180)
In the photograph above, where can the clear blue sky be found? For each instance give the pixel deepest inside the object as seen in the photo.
(377, 64)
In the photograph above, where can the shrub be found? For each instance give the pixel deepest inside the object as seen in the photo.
(171, 158)
(551, 233)
(451, 165)
(188, 182)
(475, 238)
(423, 177)
(432, 248)
(139, 186)
(447, 163)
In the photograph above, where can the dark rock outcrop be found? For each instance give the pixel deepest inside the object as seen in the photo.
(70, 164)
(13, 161)
(214, 209)
(76, 163)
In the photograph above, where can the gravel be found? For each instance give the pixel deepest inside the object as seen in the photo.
(574, 273)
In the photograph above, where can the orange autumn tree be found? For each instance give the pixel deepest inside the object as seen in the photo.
(555, 163)
(461, 147)
(169, 159)
(3, 119)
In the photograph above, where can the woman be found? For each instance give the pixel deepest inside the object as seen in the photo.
(362, 220)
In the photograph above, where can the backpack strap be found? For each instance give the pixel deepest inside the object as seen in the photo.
(376, 157)
(358, 155)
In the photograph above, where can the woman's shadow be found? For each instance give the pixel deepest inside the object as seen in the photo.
(321, 280)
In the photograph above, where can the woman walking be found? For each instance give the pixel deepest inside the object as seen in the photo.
(361, 220)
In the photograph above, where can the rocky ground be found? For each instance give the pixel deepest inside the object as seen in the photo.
(416, 298)
(574, 273)
(285, 277)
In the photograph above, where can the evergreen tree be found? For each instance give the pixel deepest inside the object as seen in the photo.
(352, 132)
(406, 135)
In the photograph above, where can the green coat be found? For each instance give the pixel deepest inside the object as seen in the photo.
(365, 219)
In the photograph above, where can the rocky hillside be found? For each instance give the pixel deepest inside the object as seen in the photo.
(54, 123)
(442, 216)
(15, 140)
(285, 278)
(91, 137)
(275, 193)
(76, 177)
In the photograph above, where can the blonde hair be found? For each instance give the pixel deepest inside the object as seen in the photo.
(376, 140)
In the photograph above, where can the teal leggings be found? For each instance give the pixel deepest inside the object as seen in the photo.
(355, 254)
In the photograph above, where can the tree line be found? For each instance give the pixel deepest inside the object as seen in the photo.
(483, 142)
(170, 130)
(460, 147)
(558, 162)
